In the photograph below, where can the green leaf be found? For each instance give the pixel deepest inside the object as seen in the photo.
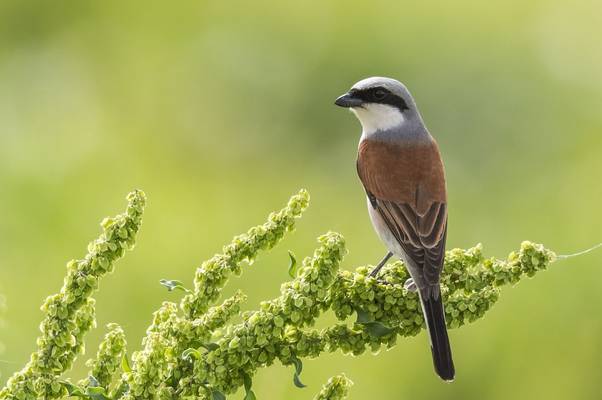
(93, 381)
(248, 383)
(298, 369)
(298, 382)
(292, 266)
(374, 328)
(191, 353)
(73, 390)
(298, 365)
(172, 285)
(97, 393)
(121, 390)
(218, 395)
(377, 329)
(125, 363)
(94, 391)
(363, 316)
(210, 346)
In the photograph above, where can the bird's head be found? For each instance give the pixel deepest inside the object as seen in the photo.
(379, 103)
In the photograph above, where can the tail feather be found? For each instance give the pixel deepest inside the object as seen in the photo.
(440, 347)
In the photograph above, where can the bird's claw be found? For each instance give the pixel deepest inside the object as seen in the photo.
(410, 285)
(374, 273)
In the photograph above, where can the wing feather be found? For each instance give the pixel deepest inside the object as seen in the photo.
(410, 198)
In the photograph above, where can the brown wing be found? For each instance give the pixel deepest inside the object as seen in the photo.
(406, 185)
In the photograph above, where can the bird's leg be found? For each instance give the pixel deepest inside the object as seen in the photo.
(376, 270)
(410, 285)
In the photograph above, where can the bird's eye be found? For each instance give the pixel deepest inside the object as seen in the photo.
(380, 94)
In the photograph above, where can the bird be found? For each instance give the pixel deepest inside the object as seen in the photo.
(400, 166)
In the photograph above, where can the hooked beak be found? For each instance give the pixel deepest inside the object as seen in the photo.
(348, 101)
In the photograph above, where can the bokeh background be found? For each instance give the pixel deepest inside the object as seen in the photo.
(221, 110)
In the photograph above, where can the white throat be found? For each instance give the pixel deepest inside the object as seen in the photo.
(378, 117)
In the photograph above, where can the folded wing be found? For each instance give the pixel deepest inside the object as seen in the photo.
(406, 185)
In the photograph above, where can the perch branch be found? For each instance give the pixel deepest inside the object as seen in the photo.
(192, 351)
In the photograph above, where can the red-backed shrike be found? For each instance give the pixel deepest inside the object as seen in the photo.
(401, 169)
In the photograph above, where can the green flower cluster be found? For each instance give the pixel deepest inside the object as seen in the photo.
(212, 275)
(470, 286)
(160, 365)
(269, 333)
(150, 368)
(109, 357)
(335, 389)
(159, 368)
(198, 333)
(191, 351)
(69, 315)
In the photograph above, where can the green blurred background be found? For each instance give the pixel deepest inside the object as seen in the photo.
(221, 110)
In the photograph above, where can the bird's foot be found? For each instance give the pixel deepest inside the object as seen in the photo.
(374, 273)
(410, 285)
(376, 270)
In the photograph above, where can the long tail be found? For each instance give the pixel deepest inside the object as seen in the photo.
(435, 322)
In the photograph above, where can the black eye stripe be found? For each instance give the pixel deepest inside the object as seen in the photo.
(375, 95)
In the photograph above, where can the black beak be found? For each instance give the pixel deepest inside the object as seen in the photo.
(348, 101)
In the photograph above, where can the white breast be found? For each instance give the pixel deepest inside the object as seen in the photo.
(384, 233)
(378, 117)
